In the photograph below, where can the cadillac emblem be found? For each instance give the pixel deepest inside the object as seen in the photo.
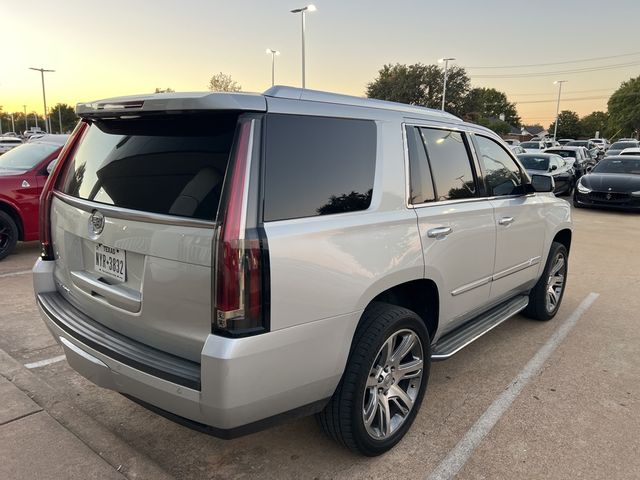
(96, 222)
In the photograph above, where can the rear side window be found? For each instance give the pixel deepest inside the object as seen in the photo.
(317, 166)
(450, 164)
(172, 165)
(421, 183)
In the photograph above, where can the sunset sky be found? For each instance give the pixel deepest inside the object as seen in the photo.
(116, 47)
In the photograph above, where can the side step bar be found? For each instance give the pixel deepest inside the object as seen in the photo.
(462, 336)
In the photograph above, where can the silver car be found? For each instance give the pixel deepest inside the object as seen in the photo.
(230, 260)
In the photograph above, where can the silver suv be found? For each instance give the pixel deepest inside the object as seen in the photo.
(230, 260)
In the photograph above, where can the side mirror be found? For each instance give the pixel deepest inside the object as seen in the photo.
(554, 167)
(542, 183)
(589, 168)
(51, 166)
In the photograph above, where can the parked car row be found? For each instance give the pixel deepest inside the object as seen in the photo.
(23, 173)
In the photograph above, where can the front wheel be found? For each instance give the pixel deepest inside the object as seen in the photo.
(8, 234)
(384, 381)
(546, 296)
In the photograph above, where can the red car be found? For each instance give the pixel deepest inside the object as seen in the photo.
(23, 172)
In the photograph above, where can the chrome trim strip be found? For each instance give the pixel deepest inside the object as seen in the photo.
(510, 313)
(516, 268)
(471, 286)
(132, 215)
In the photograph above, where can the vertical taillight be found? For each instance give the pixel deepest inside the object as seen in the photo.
(46, 248)
(241, 275)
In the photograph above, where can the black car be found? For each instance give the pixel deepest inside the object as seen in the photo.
(580, 157)
(613, 183)
(553, 165)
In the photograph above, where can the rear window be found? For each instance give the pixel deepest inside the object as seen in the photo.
(530, 145)
(172, 165)
(564, 153)
(622, 145)
(317, 166)
(10, 141)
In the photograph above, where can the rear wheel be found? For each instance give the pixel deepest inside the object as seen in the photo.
(8, 234)
(383, 383)
(546, 296)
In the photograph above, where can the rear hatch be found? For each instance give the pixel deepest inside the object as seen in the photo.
(132, 224)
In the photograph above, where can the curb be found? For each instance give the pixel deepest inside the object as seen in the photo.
(111, 448)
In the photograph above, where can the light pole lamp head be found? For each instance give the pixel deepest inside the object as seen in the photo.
(271, 51)
(308, 8)
(559, 82)
(442, 60)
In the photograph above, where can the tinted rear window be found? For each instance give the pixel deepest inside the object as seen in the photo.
(317, 166)
(564, 153)
(622, 145)
(168, 165)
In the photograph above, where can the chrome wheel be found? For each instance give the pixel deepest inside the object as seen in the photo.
(393, 384)
(555, 282)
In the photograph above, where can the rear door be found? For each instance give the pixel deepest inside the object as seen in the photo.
(456, 224)
(518, 220)
(132, 225)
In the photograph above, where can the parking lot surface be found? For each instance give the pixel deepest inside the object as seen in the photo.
(577, 416)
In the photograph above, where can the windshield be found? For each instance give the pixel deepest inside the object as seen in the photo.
(577, 144)
(622, 145)
(628, 166)
(26, 156)
(530, 145)
(534, 163)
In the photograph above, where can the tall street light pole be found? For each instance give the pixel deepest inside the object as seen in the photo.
(302, 11)
(555, 128)
(273, 54)
(26, 118)
(44, 96)
(444, 85)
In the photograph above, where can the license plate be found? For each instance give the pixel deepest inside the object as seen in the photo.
(111, 262)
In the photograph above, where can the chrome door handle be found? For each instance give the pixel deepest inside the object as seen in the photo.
(439, 232)
(506, 220)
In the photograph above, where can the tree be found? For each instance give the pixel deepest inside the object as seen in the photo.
(420, 84)
(624, 108)
(489, 102)
(568, 125)
(164, 90)
(595, 122)
(67, 115)
(497, 125)
(221, 82)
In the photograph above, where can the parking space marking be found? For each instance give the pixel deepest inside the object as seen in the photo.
(42, 363)
(14, 274)
(458, 457)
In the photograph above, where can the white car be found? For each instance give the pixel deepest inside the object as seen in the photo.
(7, 143)
(256, 257)
(601, 143)
(630, 151)
(533, 146)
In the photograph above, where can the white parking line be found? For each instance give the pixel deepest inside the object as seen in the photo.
(14, 274)
(42, 363)
(457, 458)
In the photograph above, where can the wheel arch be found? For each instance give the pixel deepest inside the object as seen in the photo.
(420, 296)
(15, 215)
(564, 237)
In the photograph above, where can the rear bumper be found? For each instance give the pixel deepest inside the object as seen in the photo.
(244, 384)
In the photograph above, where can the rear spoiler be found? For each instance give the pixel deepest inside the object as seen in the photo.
(172, 102)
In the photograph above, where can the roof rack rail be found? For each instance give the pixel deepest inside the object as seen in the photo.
(294, 93)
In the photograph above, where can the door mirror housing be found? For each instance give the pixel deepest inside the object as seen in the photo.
(51, 166)
(542, 183)
(553, 167)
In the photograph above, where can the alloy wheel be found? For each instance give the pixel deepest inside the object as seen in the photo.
(393, 384)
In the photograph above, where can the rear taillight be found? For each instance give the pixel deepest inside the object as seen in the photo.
(46, 248)
(241, 267)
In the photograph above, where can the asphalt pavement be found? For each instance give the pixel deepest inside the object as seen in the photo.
(553, 400)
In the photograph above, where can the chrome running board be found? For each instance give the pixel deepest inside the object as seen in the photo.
(462, 336)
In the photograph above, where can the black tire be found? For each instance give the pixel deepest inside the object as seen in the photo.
(539, 307)
(342, 418)
(8, 234)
